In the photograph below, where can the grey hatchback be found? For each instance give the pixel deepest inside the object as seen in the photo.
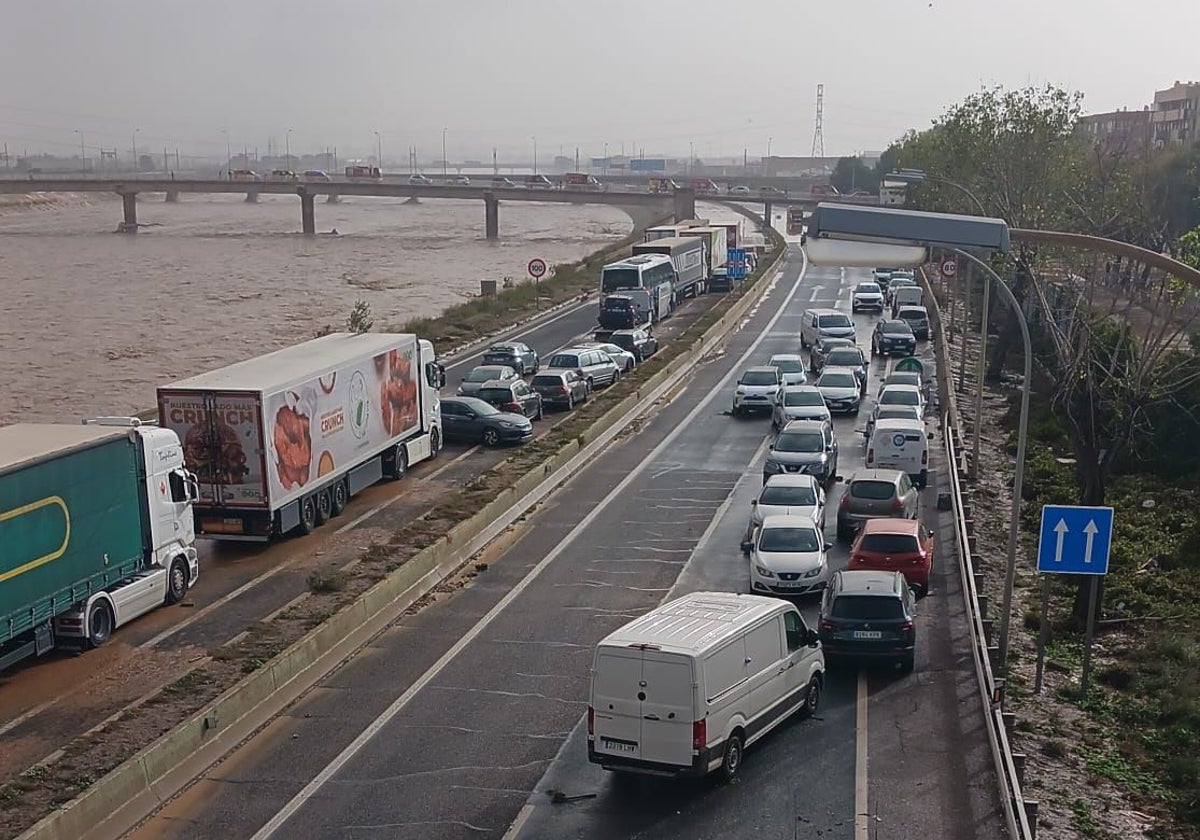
(874, 494)
(561, 388)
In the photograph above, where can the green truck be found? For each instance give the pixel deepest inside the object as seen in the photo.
(95, 530)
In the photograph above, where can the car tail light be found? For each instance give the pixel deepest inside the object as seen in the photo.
(870, 455)
(925, 457)
(699, 734)
(906, 627)
(917, 559)
(514, 407)
(563, 389)
(828, 624)
(591, 721)
(845, 500)
(897, 505)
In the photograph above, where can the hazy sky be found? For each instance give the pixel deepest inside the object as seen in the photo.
(661, 74)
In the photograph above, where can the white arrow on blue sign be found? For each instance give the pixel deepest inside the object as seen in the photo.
(1075, 540)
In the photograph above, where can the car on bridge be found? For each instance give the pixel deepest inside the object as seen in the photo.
(788, 556)
(283, 175)
(893, 336)
(896, 545)
(244, 175)
(418, 178)
(462, 181)
(869, 615)
(538, 182)
(315, 175)
(501, 181)
(740, 189)
(360, 171)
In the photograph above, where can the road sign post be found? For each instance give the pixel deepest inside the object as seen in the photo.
(948, 267)
(1074, 540)
(537, 268)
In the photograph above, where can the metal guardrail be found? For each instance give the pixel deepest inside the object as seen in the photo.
(1019, 814)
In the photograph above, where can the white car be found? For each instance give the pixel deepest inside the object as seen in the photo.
(462, 181)
(625, 360)
(789, 494)
(841, 389)
(909, 395)
(756, 389)
(791, 366)
(787, 557)
(740, 189)
(867, 296)
(799, 402)
(418, 178)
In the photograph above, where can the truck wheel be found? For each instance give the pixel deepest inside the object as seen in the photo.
(435, 442)
(308, 515)
(400, 463)
(99, 624)
(324, 507)
(177, 581)
(337, 499)
(731, 763)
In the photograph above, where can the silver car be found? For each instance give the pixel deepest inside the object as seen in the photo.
(795, 494)
(841, 389)
(876, 494)
(473, 381)
(799, 402)
(791, 366)
(804, 446)
(625, 360)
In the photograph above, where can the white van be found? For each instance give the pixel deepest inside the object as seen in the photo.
(907, 296)
(898, 444)
(684, 689)
(824, 323)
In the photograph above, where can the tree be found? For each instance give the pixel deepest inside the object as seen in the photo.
(360, 320)
(852, 174)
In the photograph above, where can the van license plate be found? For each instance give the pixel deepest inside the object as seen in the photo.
(868, 634)
(618, 746)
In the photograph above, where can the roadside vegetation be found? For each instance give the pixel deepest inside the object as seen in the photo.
(1115, 421)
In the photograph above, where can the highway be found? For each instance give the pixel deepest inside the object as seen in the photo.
(460, 718)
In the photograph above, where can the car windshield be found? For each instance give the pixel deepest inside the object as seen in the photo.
(838, 380)
(889, 543)
(912, 315)
(874, 490)
(838, 320)
(844, 357)
(490, 394)
(564, 360)
(788, 539)
(867, 607)
(897, 328)
(803, 398)
(483, 374)
(481, 408)
(547, 380)
(800, 442)
(788, 496)
(867, 288)
(895, 396)
(789, 365)
(759, 377)
(898, 412)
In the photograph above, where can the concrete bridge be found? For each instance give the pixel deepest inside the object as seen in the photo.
(681, 202)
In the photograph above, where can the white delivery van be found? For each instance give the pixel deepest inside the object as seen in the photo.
(684, 689)
(900, 444)
(907, 296)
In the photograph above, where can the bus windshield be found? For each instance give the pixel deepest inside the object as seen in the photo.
(620, 278)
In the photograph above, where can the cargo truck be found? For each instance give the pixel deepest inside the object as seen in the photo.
(281, 442)
(688, 256)
(716, 239)
(733, 232)
(95, 530)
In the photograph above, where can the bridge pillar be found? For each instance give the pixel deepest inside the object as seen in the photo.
(172, 196)
(685, 204)
(768, 209)
(252, 197)
(308, 213)
(129, 202)
(491, 206)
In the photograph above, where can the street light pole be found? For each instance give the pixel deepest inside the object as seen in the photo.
(443, 152)
(228, 152)
(135, 159)
(980, 371)
(769, 139)
(287, 149)
(379, 152)
(535, 155)
(82, 153)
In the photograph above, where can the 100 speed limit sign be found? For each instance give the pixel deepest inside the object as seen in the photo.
(537, 268)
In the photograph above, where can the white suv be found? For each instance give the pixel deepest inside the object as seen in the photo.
(757, 389)
(867, 296)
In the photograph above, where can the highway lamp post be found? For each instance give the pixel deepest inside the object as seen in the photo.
(135, 158)
(534, 155)
(82, 153)
(287, 149)
(443, 153)
(228, 152)
(836, 236)
(606, 158)
(769, 140)
(379, 152)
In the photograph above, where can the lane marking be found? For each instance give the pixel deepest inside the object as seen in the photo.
(330, 770)
(862, 816)
(387, 503)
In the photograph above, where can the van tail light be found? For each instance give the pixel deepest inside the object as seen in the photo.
(924, 457)
(870, 455)
(828, 624)
(897, 505)
(699, 734)
(591, 721)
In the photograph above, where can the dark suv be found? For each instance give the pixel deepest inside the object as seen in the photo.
(638, 342)
(513, 396)
(893, 336)
(519, 356)
(869, 615)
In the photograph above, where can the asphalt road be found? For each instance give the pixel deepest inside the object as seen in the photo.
(457, 720)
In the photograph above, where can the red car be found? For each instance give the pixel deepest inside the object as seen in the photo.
(895, 545)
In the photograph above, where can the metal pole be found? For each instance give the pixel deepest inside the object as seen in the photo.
(980, 371)
(134, 137)
(1088, 635)
(287, 149)
(379, 152)
(966, 325)
(1043, 632)
(443, 152)
(1019, 472)
(534, 155)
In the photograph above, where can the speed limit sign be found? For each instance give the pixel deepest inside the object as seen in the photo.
(948, 267)
(537, 267)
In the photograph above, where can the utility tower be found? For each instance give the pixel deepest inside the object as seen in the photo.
(818, 147)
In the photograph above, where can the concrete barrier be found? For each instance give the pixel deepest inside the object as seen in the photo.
(135, 788)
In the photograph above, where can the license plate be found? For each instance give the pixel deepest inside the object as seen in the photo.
(792, 584)
(868, 634)
(618, 746)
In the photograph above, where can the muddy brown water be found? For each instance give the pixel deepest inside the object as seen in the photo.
(92, 321)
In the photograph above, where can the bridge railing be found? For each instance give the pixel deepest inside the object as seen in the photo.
(1020, 815)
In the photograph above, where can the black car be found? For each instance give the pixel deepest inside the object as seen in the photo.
(561, 388)
(869, 615)
(618, 312)
(472, 420)
(520, 357)
(513, 395)
(893, 336)
(638, 342)
(849, 357)
(822, 348)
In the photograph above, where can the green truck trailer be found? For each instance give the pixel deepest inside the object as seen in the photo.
(95, 530)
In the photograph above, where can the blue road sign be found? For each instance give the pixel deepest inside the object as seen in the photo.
(735, 264)
(1075, 540)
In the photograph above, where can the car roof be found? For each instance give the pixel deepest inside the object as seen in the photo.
(836, 369)
(491, 367)
(875, 475)
(504, 346)
(506, 384)
(464, 400)
(895, 322)
(804, 425)
(823, 311)
(787, 357)
(901, 423)
(787, 520)
(695, 623)
(791, 480)
(851, 346)
(891, 526)
(836, 342)
(900, 386)
(794, 389)
(761, 369)
(628, 331)
(863, 582)
(911, 308)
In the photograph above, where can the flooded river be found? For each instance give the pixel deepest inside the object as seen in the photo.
(92, 321)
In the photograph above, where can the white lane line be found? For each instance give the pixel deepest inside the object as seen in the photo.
(862, 816)
(365, 515)
(330, 770)
(816, 293)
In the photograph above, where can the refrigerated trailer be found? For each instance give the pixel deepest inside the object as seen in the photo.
(688, 256)
(716, 245)
(95, 530)
(281, 442)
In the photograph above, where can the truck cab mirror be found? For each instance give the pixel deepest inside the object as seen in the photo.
(441, 370)
(812, 638)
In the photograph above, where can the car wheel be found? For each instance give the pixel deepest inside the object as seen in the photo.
(731, 762)
(812, 698)
(400, 462)
(490, 437)
(99, 624)
(177, 581)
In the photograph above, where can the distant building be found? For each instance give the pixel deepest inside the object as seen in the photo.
(1175, 115)
(1121, 132)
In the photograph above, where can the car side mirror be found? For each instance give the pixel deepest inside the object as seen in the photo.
(747, 547)
(754, 503)
(929, 436)
(770, 447)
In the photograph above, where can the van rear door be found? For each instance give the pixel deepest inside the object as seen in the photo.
(668, 684)
(616, 679)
